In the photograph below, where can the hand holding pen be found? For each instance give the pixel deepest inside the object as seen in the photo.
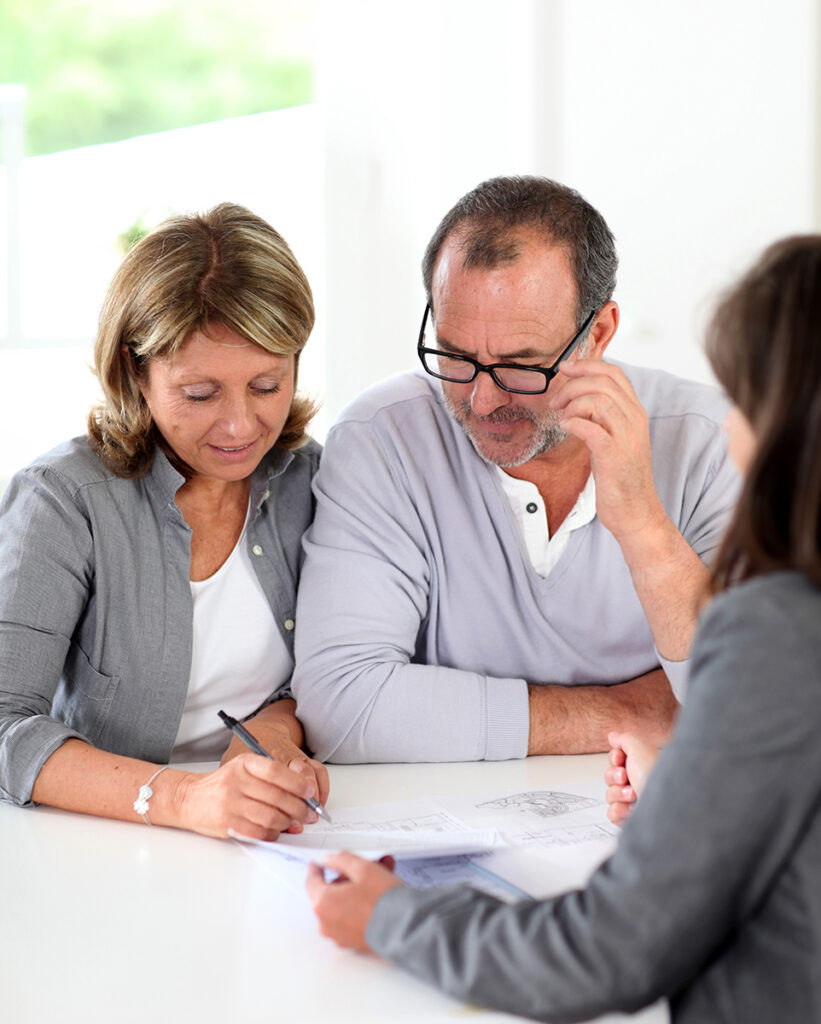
(242, 733)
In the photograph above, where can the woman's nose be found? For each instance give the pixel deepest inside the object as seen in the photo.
(238, 417)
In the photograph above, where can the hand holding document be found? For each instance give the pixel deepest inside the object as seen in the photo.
(514, 844)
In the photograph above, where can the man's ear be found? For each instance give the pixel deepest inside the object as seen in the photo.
(604, 328)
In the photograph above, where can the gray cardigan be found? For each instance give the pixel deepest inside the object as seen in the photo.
(713, 897)
(95, 604)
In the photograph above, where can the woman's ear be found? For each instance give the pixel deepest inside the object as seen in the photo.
(133, 367)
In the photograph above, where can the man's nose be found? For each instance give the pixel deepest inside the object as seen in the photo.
(487, 395)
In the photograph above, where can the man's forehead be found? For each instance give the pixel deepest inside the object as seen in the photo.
(527, 257)
(529, 293)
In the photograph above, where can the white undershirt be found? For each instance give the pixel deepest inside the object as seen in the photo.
(529, 512)
(238, 656)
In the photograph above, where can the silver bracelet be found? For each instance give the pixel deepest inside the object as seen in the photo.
(145, 794)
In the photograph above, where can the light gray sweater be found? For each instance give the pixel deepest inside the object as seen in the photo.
(713, 897)
(420, 617)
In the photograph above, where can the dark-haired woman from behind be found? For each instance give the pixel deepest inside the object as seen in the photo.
(713, 897)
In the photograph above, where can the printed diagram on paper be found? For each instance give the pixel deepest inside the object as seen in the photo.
(545, 803)
(570, 836)
(423, 821)
(417, 828)
(577, 813)
(512, 844)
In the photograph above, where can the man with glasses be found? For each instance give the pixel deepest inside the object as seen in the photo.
(509, 547)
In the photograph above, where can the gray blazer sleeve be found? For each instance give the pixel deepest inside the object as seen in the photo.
(45, 573)
(705, 867)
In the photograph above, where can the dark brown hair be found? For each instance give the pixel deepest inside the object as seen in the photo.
(225, 266)
(492, 219)
(764, 345)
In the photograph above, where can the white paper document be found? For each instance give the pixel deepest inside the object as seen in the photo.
(512, 844)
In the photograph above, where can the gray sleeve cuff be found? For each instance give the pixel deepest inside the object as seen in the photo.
(398, 905)
(508, 719)
(25, 747)
(678, 672)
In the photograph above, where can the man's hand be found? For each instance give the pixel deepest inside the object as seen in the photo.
(597, 405)
(631, 761)
(345, 905)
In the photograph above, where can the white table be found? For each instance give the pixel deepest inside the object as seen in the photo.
(104, 921)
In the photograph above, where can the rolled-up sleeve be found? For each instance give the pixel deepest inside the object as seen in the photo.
(45, 581)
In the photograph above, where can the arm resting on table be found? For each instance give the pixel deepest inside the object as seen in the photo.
(577, 719)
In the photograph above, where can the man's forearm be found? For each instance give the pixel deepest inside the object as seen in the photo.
(577, 719)
(671, 583)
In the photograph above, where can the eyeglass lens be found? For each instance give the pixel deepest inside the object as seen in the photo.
(462, 371)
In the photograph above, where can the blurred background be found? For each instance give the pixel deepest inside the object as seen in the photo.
(353, 125)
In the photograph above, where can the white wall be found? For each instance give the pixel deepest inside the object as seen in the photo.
(691, 124)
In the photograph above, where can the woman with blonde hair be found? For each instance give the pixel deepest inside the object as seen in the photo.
(713, 896)
(148, 570)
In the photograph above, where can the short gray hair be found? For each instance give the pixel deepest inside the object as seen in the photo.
(489, 220)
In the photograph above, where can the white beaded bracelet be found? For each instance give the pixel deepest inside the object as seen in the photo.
(145, 794)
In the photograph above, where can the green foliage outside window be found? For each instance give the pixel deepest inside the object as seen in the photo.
(105, 70)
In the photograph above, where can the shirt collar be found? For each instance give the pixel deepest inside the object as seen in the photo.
(520, 492)
(167, 480)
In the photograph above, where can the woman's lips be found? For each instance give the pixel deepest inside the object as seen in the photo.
(232, 453)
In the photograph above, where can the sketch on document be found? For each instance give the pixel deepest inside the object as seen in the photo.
(545, 803)
(431, 821)
(592, 833)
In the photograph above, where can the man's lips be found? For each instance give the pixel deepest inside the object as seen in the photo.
(499, 427)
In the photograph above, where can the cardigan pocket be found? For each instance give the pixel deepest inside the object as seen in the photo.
(84, 699)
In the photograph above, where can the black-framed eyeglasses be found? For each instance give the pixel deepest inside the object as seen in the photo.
(521, 380)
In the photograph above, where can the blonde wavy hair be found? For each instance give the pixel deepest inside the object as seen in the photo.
(225, 266)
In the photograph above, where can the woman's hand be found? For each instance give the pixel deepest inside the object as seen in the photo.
(631, 761)
(279, 731)
(344, 906)
(287, 753)
(250, 795)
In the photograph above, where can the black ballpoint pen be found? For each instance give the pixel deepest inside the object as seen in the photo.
(239, 730)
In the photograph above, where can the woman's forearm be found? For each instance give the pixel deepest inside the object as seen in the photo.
(270, 726)
(78, 777)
